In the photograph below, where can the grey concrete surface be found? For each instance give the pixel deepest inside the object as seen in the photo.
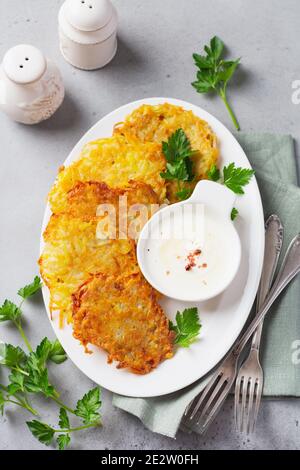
(156, 41)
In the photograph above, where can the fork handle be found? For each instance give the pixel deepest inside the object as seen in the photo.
(289, 269)
(273, 246)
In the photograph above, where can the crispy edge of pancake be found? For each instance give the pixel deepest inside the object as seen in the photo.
(88, 304)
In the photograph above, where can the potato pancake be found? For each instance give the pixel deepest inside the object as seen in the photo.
(129, 208)
(122, 316)
(84, 198)
(114, 161)
(72, 253)
(156, 123)
(76, 244)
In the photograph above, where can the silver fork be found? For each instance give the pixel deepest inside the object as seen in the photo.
(249, 382)
(203, 409)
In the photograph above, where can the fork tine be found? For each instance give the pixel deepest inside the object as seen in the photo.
(205, 420)
(190, 404)
(249, 412)
(237, 406)
(258, 394)
(206, 391)
(213, 395)
(243, 404)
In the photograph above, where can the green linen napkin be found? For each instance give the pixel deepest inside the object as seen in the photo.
(273, 159)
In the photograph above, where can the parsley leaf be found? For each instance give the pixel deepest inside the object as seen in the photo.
(235, 178)
(2, 402)
(42, 353)
(38, 381)
(30, 289)
(184, 193)
(177, 152)
(17, 380)
(9, 311)
(63, 440)
(57, 353)
(187, 327)
(178, 147)
(214, 73)
(47, 350)
(88, 407)
(41, 431)
(11, 356)
(64, 422)
(213, 173)
(234, 213)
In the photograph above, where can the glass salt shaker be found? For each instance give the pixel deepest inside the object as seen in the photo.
(31, 87)
(88, 33)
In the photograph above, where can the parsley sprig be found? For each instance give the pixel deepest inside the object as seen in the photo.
(235, 178)
(187, 327)
(87, 408)
(214, 73)
(178, 152)
(28, 375)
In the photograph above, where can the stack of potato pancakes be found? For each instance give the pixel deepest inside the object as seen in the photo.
(94, 281)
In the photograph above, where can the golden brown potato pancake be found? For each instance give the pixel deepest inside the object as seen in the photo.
(72, 253)
(123, 317)
(76, 244)
(156, 123)
(127, 210)
(84, 198)
(114, 161)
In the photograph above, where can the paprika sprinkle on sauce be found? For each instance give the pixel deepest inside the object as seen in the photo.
(191, 259)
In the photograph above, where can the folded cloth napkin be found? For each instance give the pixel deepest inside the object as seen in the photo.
(273, 159)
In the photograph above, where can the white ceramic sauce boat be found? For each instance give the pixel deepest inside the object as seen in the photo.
(216, 198)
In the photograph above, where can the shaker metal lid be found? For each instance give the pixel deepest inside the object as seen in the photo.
(24, 64)
(88, 15)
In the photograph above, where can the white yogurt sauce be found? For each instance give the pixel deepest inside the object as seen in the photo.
(194, 267)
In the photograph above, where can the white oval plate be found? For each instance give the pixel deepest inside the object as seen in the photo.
(222, 317)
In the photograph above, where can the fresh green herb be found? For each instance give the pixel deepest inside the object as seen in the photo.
(45, 433)
(213, 173)
(87, 408)
(64, 422)
(234, 213)
(9, 312)
(2, 402)
(29, 375)
(63, 440)
(178, 153)
(214, 73)
(57, 353)
(11, 356)
(41, 431)
(184, 193)
(235, 178)
(30, 289)
(187, 327)
(52, 351)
